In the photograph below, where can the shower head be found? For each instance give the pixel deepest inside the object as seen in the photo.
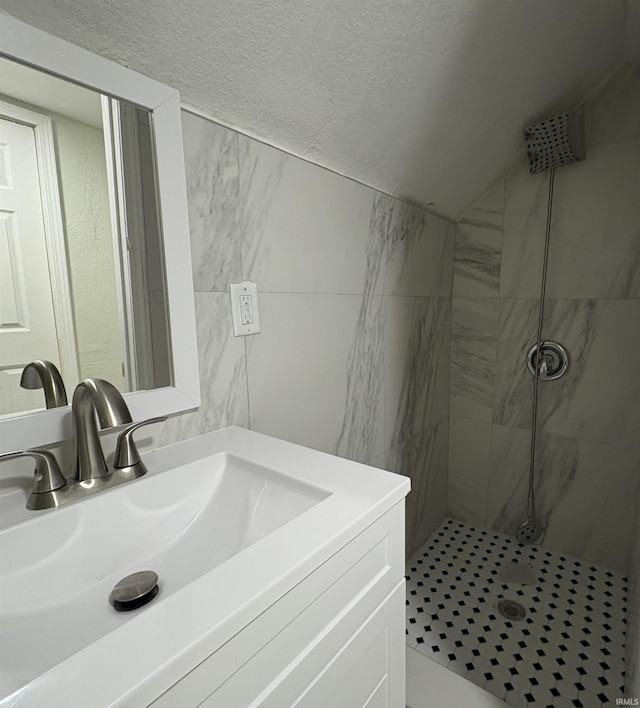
(555, 141)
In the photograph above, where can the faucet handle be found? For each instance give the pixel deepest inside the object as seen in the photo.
(47, 477)
(127, 456)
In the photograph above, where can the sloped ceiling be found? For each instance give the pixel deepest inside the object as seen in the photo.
(423, 99)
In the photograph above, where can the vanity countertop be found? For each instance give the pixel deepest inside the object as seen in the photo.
(144, 653)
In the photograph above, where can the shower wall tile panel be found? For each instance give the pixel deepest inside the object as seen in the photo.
(585, 493)
(223, 374)
(588, 463)
(525, 214)
(599, 397)
(211, 161)
(306, 230)
(299, 372)
(342, 270)
(469, 468)
(416, 356)
(513, 384)
(474, 338)
(589, 492)
(612, 110)
(476, 270)
(419, 249)
(432, 458)
(508, 477)
(423, 458)
(595, 246)
(489, 209)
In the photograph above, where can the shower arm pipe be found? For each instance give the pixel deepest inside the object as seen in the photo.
(536, 380)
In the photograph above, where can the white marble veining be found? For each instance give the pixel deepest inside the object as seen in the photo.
(476, 267)
(223, 378)
(298, 371)
(423, 458)
(513, 384)
(474, 335)
(489, 209)
(419, 250)
(592, 517)
(432, 446)
(361, 431)
(599, 397)
(585, 493)
(469, 468)
(525, 213)
(211, 163)
(305, 230)
(416, 357)
(594, 250)
(508, 478)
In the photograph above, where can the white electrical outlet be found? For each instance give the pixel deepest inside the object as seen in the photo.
(244, 308)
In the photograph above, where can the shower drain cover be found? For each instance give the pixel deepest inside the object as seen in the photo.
(134, 591)
(511, 609)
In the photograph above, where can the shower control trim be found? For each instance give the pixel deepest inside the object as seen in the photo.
(551, 363)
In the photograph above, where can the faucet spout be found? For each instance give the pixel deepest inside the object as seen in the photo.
(44, 374)
(91, 397)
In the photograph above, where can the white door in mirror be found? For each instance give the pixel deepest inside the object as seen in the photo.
(27, 322)
(244, 308)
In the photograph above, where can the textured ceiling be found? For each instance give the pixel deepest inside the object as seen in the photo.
(423, 99)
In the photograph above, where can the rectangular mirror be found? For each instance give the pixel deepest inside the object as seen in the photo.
(95, 272)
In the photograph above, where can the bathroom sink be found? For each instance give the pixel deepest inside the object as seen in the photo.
(59, 567)
(230, 522)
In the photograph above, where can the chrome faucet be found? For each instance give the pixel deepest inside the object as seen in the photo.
(91, 474)
(44, 374)
(90, 397)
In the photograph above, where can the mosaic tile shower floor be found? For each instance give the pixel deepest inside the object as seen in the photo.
(567, 651)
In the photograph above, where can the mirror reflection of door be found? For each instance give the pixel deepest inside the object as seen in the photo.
(27, 320)
(82, 281)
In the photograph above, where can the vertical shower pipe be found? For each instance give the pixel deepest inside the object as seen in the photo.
(536, 380)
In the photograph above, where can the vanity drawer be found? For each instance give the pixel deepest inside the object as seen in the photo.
(359, 663)
(290, 643)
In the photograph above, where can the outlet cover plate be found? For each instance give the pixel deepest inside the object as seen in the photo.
(238, 293)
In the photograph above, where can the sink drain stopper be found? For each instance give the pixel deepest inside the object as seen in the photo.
(134, 591)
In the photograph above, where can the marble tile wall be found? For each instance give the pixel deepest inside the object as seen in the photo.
(355, 298)
(588, 451)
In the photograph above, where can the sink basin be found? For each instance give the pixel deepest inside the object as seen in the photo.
(59, 566)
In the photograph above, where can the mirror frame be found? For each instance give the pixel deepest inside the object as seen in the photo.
(33, 47)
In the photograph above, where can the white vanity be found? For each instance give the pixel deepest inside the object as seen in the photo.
(281, 576)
